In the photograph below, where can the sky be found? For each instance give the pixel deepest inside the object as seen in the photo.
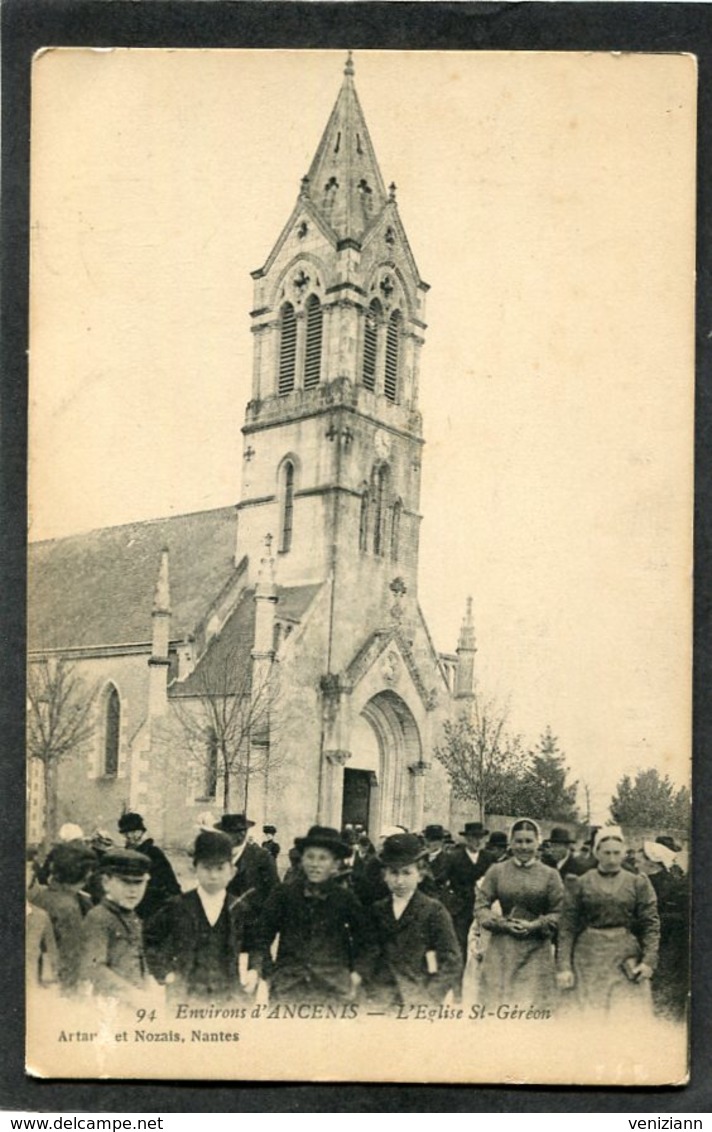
(549, 202)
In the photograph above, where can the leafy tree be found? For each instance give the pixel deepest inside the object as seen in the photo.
(480, 757)
(545, 786)
(650, 802)
(59, 722)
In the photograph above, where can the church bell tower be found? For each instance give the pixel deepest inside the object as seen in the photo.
(332, 433)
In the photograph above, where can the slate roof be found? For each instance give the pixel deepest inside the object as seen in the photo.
(97, 588)
(227, 657)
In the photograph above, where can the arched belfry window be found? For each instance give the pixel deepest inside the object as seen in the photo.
(112, 733)
(395, 529)
(393, 341)
(287, 350)
(286, 528)
(312, 352)
(370, 345)
(379, 506)
(363, 519)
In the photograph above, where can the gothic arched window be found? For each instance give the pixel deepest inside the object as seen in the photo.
(287, 350)
(112, 733)
(395, 529)
(370, 345)
(312, 353)
(285, 540)
(379, 497)
(393, 338)
(363, 520)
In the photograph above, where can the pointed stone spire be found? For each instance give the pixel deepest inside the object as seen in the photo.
(466, 649)
(345, 182)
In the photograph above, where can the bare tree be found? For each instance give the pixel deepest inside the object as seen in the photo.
(227, 722)
(59, 721)
(483, 761)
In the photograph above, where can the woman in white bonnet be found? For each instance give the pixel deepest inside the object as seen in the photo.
(609, 933)
(518, 963)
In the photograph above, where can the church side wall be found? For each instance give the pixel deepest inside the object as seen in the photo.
(85, 794)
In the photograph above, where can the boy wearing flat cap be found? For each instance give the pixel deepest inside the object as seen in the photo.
(113, 959)
(326, 945)
(194, 942)
(419, 959)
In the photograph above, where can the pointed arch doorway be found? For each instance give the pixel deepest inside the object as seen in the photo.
(378, 787)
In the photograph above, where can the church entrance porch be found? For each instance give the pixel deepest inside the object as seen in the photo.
(380, 787)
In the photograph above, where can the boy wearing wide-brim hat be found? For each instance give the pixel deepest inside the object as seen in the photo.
(113, 960)
(194, 942)
(326, 944)
(419, 959)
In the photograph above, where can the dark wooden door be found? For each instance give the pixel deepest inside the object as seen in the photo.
(357, 797)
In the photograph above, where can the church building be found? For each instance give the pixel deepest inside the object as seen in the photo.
(272, 656)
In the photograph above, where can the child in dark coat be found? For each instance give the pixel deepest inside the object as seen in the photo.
(194, 941)
(326, 946)
(66, 905)
(419, 958)
(113, 961)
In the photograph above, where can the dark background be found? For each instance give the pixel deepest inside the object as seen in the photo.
(27, 25)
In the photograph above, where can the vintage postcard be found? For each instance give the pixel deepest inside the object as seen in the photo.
(359, 623)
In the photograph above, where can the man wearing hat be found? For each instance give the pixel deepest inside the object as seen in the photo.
(113, 959)
(326, 943)
(194, 942)
(559, 854)
(466, 863)
(269, 843)
(163, 883)
(496, 845)
(419, 955)
(436, 878)
(255, 871)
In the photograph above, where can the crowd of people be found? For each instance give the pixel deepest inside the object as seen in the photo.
(495, 918)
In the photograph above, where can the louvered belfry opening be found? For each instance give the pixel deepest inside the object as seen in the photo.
(392, 356)
(370, 345)
(287, 350)
(312, 353)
